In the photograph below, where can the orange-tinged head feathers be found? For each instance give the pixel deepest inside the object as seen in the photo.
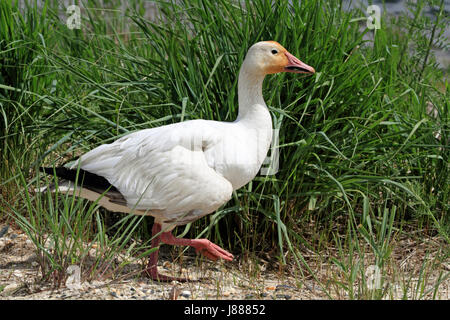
(270, 57)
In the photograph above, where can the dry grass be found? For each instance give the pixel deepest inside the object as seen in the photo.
(416, 269)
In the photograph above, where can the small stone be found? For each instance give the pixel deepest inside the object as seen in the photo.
(10, 288)
(4, 230)
(309, 287)
(114, 294)
(139, 292)
(185, 293)
(249, 296)
(34, 263)
(18, 273)
(5, 244)
(97, 283)
(229, 291)
(283, 296)
(284, 286)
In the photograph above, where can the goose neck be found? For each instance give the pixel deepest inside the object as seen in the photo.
(250, 95)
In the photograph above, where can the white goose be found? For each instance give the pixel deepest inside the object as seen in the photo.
(181, 172)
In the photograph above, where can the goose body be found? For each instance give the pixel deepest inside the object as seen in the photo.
(181, 172)
(178, 173)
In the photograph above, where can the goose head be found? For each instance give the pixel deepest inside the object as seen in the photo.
(269, 57)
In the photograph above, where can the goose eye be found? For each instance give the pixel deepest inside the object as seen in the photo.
(274, 51)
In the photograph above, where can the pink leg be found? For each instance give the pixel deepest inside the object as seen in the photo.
(204, 246)
(152, 271)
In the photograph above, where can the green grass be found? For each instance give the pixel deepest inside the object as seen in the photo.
(360, 164)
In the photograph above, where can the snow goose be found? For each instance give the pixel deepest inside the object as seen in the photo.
(181, 172)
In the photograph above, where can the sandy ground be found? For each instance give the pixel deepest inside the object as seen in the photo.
(20, 279)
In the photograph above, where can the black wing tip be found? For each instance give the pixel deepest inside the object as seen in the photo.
(47, 170)
(87, 179)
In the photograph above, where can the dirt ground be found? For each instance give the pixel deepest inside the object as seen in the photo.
(20, 279)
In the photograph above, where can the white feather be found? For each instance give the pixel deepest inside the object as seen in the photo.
(183, 171)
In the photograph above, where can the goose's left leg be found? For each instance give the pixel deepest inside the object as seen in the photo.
(203, 246)
(152, 270)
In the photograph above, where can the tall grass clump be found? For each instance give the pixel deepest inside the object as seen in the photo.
(68, 231)
(22, 35)
(363, 143)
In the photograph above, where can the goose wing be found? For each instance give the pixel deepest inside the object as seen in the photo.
(163, 170)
